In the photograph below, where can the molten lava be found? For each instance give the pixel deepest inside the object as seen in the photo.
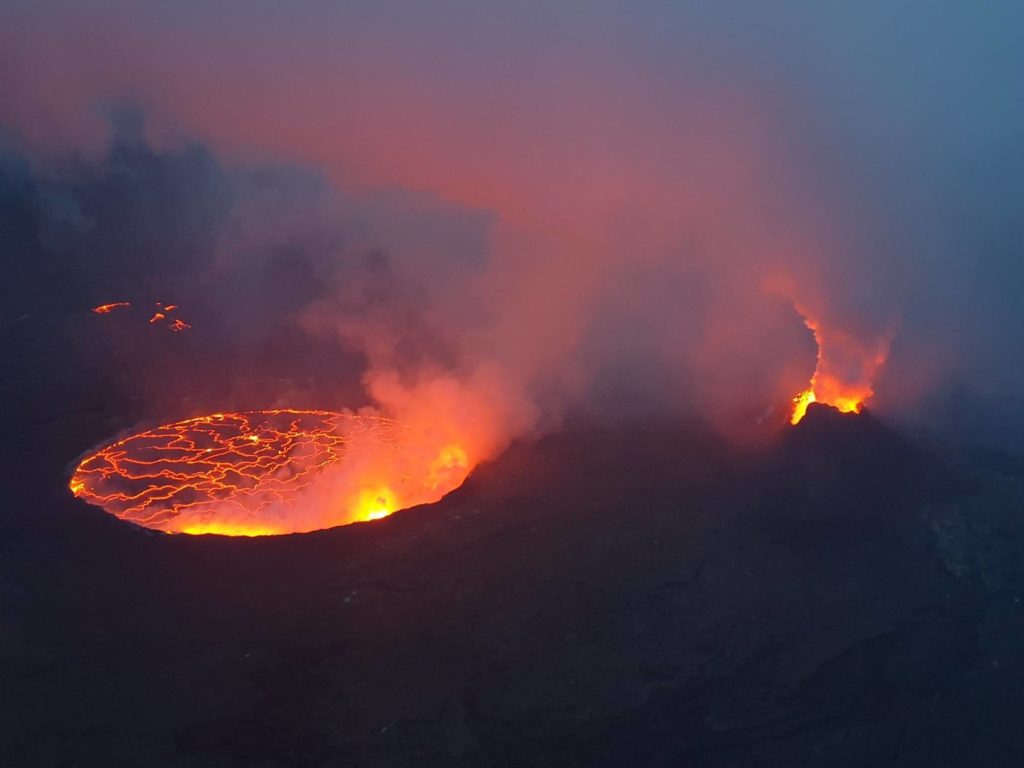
(104, 309)
(160, 315)
(844, 373)
(262, 473)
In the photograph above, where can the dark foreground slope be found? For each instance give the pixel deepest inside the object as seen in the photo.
(643, 597)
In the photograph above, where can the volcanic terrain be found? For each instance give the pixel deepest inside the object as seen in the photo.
(645, 595)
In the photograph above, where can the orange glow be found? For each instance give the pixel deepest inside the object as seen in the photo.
(452, 462)
(104, 309)
(800, 403)
(228, 529)
(374, 503)
(175, 325)
(844, 373)
(262, 473)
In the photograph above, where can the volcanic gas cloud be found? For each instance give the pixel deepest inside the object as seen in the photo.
(268, 472)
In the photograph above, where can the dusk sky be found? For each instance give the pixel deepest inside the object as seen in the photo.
(600, 205)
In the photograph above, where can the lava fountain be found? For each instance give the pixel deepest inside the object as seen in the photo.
(261, 473)
(845, 370)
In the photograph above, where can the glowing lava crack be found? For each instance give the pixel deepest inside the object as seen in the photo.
(267, 472)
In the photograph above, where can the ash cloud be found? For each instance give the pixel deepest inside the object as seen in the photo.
(520, 214)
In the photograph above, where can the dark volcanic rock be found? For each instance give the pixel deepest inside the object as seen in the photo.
(644, 596)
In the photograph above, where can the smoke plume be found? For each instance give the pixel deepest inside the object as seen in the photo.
(487, 221)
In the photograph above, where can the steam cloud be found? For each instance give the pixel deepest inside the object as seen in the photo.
(492, 220)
